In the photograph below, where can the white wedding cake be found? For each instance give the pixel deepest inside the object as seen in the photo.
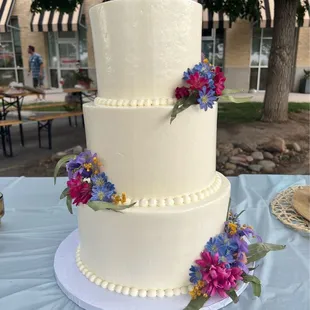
(142, 48)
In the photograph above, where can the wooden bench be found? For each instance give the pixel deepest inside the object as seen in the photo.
(6, 133)
(45, 123)
(68, 107)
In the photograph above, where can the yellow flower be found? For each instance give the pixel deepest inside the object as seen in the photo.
(206, 61)
(88, 166)
(232, 228)
(200, 284)
(116, 199)
(124, 198)
(196, 291)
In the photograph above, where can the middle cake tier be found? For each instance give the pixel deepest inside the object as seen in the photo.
(152, 161)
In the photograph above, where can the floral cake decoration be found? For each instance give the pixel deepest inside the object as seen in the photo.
(89, 184)
(204, 85)
(224, 263)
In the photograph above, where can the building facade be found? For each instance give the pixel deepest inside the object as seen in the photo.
(241, 48)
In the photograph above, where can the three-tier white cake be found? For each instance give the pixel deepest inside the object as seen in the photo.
(142, 48)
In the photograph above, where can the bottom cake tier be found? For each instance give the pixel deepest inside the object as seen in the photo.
(147, 251)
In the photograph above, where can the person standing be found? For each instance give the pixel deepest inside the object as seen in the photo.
(36, 68)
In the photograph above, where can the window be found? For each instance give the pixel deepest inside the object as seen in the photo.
(213, 46)
(261, 45)
(11, 63)
(65, 49)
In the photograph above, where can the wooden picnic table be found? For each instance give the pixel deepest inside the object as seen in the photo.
(12, 101)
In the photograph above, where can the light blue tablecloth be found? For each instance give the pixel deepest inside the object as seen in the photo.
(36, 221)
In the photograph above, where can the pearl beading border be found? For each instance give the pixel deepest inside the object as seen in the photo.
(125, 290)
(179, 200)
(135, 102)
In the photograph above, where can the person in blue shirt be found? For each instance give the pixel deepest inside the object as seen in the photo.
(36, 68)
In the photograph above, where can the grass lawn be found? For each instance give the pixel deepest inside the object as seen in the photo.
(250, 111)
(228, 112)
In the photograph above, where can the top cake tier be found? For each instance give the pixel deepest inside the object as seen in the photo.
(142, 47)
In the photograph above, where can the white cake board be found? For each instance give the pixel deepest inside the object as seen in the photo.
(89, 296)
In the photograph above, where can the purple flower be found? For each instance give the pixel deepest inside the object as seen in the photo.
(206, 98)
(84, 164)
(249, 232)
(242, 245)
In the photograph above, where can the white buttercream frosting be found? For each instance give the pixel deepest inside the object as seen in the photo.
(179, 200)
(125, 290)
(142, 47)
(134, 103)
(148, 249)
(146, 157)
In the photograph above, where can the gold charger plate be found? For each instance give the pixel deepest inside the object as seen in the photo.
(282, 208)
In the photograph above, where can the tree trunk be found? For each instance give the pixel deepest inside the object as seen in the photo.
(281, 62)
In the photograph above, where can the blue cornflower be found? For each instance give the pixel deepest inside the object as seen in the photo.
(187, 74)
(225, 256)
(99, 179)
(204, 70)
(195, 274)
(103, 193)
(212, 245)
(206, 98)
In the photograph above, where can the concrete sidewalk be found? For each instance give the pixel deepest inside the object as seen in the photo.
(56, 95)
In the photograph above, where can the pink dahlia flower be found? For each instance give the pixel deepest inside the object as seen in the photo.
(181, 92)
(219, 279)
(219, 80)
(79, 191)
(196, 81)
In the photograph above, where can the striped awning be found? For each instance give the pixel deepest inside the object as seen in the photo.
(55, 21)
(6, 7)
(267, 15)
(215, 20)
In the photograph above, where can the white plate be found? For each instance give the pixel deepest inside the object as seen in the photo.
(89, 296)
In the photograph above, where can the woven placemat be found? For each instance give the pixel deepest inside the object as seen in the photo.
(282, 208)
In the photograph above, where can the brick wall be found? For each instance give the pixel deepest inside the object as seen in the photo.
(303, 56)
(238, 41)
(37, 39)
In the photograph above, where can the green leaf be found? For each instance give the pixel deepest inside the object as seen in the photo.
(102, 205)
(239, 214)
(61, 163)
(234, 99)
(227, 214)
(69, 204)
(256, 284)
(233, 295)
(196, 304)
(182, 105)
(253, 268)
(248, 278)
(260, 250)
(227, 91)
(64, 193)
